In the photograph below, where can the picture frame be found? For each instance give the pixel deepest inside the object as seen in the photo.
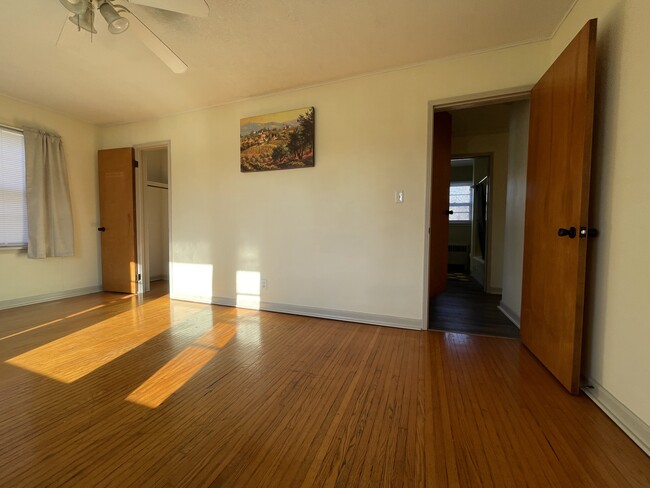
(280, 140)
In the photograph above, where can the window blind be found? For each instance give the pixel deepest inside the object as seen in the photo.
(13, 207)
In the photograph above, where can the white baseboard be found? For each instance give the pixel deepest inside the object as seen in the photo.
(323, 313)
(508, 312)
(622, 416)
(48, 297)
(190, 298)
(159, 278)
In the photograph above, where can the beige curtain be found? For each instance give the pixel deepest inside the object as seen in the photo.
(49, 213)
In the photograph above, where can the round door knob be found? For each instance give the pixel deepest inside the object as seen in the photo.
(101, 229)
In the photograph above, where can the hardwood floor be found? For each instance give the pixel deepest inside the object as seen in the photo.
(464, 307)
(109, 390)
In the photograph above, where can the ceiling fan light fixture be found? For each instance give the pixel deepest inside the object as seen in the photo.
(116, 23)
(77, 7)
(84, 21)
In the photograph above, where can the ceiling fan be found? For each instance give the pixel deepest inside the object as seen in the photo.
(119, 18)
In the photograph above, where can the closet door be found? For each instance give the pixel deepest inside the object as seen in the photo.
(117, 213)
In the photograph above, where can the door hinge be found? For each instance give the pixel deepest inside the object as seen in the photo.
(139, 277)
(135, 164)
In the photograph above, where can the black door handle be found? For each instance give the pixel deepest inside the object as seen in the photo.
(101, 229)
(450, 212)
(571, 232)
(586, 232)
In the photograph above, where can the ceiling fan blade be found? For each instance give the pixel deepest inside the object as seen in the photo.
(153, 42)
(197, 8)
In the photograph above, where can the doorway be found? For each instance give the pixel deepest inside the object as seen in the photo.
(469, 209)
(153, 213)
(556, 196)
(488, 147)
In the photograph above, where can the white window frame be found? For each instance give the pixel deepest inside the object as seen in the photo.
(20, 175)
(471, 203)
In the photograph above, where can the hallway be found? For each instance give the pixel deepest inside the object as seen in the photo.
(464, 307)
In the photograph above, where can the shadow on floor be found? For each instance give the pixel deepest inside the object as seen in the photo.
(464, 307)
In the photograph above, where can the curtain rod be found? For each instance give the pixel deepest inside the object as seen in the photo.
(4, 126)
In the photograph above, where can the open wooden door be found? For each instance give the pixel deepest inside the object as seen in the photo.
(117, 212)
(439, 223)
(557, 199)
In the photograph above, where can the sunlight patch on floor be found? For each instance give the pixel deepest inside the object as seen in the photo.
(71, 316)
(74, 356)
(172, 376)
(180, 369)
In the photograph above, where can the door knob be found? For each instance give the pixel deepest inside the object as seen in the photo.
(571, 232)
(101, 229)
(586, 232)
(450, 212)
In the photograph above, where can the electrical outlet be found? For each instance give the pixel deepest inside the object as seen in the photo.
(265, 283)
(399, 196)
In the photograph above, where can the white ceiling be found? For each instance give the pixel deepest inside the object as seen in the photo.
(244, 48)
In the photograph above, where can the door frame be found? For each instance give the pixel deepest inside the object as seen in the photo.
(144, 283)
(450, 104)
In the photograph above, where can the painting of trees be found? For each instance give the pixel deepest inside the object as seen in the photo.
(283, 140)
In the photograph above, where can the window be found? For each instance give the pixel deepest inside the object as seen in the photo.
(460, 202)
(13, 206)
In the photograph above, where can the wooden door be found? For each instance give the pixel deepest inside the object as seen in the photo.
(557, 198)
(117, 214)
(439, 224)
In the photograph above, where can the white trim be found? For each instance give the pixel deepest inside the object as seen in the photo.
(14, 249)
(155, 184)
(144, 285)
(9, 127)
(427, 219)
(48, 297)
(508, 312)
(343, 315)
(192, 298)
(454, 103)
(163, 277)
(622, 416)
(323, 313)
(481, 99)
(141, 237)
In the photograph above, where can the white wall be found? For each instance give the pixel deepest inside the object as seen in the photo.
(157, 231)
(155, 162)
(497, 146)
(331, 237)
(513, 243)
(617, 325)
(22, 279)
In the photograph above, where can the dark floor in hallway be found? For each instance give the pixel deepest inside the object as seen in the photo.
(465, 307)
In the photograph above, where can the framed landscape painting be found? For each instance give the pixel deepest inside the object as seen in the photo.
(283, 140)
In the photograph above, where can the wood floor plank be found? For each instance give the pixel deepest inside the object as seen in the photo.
(172, 393)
